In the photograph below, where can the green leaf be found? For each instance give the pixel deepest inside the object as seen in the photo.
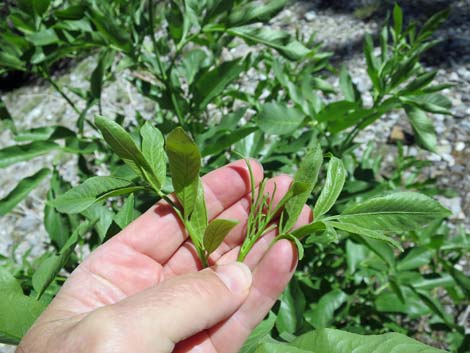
(419, 82)
(365, 232)
(92, 190)
(153, 150)
(22, 190)
(415, 258)
(278, 40)
(192, 62)
(213, 82)
(384, 44)
(434, 22)
(11, 61)
(277, 119)
(185, 163)
(271, 347)
(335, 178)
(319, 233)
(96, 79)
(380, 248)
(444, 281)
(19, 312)
(361, 117)
(175, 21)
(227, 140)
(433, 103)
(259, 334)
(307, 174)
(322, 85)
(102, 217)
(389, 302)
(436, 307)
(126, 213)
(20, 153)
(74, 12)
(198, 218)
(81, 146)
(337, 341)
(397, 19)
(124, 146)
(355, 254)
(255, 12)
(291, 310)
(396, 212)
(110, 31)
(44, 133)
(50, 267)
(216, 232)
(423, 128)
(298, 244)
(5, 115)
(348, 88)
(56, 224)
(372, 62)
(41, 6)
(8, 283)
(43, 38)
(301, 232)
(404, 69)
(323, 312)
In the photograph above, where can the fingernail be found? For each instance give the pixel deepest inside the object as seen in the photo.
(236, 276)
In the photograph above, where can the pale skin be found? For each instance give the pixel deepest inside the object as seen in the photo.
(144, 291)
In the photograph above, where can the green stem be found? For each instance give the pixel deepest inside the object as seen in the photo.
(352, 135)
(165, 78)
(201, 253)
(46, 75)
(203, 258)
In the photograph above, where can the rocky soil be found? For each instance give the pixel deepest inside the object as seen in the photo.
(341, 26)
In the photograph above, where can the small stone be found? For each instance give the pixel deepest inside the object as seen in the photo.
(310, 16)
(440, 128)
(460, 111)
(449, 159)
(457, 168)
(454, 204)
(434, 157)
(464, 73)
(454, 77)
(459, 146)
(397, 134)
(444, 147)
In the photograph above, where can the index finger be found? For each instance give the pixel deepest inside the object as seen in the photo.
(158, 232)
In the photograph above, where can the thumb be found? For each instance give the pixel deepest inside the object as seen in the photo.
(182, 306)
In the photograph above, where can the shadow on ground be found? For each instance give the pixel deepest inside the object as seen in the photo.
(454, 47)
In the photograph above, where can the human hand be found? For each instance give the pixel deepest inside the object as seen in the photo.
(143, 291)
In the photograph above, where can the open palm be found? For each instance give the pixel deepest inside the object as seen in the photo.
(115, 300)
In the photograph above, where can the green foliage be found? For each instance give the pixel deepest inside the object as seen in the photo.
(50, 267)
(93, 190)
(349, 276)
(21, 191)
(336, 341)
(185, 164)
(25, 310)
(397, 212)
(215, 233)
(335, 178)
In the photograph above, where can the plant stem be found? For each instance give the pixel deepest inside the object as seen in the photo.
(164, 76)
(46, 75)
(200, 251)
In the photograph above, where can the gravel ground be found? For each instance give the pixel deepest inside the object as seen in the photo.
(333, 23)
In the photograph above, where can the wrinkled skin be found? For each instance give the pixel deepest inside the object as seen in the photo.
(143, 290)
